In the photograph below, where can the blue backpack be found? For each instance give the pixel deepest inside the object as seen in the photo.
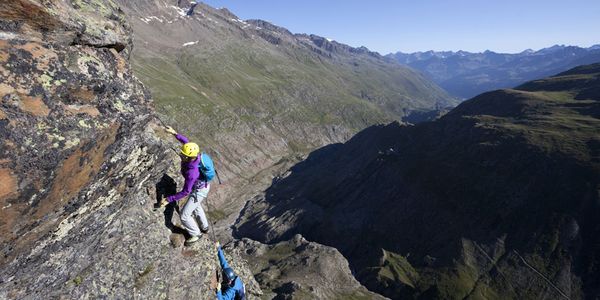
(206, 166)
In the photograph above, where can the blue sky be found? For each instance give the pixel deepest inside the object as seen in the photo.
(419, 25)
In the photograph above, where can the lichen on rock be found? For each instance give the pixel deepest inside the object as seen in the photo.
(79, 155)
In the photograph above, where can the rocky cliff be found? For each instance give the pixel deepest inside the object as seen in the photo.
(82, 163)
(499, 199)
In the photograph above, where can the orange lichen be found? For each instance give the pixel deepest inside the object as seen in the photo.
(76, 172)
(34, 106)
(8, 184)
(3, 71)
(5, 89)
(34, 48)
(74, 175)
(41, 54)
(30, 13)
(83, 95)
(121, 63)
(86, 109)
(4, 53)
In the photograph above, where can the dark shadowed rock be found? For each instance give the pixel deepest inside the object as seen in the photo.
(497, 199)
(298, 269)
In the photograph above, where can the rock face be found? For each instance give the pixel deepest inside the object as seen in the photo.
(68, 97)
(465, 74)
(298, 269)
(497, 199)
(80, 160)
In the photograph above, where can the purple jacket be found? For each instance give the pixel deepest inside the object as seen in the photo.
(190, 172)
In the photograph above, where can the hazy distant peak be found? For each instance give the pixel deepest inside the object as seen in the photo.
(445, 54)
(552, 49)
(466, 74)
(528, 51)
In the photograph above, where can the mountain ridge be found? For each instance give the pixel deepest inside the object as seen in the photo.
(466, 74)
(442, 53)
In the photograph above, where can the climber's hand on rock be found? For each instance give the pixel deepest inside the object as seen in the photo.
(164, 202)
(170, 130)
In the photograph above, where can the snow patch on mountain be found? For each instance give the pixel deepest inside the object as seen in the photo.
(190, 43)
(150, 18)
(180, 11)
(238, 21)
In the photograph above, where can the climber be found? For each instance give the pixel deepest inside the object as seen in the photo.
(234, 287)
(196, 185)
(191, 10)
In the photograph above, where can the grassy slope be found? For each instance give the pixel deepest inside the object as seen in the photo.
(259, 87)
(251, 103)
(233, 78)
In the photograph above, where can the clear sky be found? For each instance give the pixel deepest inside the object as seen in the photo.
(419, 25)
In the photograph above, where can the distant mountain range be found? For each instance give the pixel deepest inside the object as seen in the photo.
(466, 74)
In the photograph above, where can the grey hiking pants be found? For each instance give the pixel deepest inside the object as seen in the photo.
(193, 209)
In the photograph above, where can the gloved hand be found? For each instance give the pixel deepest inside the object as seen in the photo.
(164, 202)
(170, 130)
(218, 287)
(218, 245)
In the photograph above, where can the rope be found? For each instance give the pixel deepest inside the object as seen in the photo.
(541, 275)
(212, 227)
(165, 125)
(161, 122)
(218, 178)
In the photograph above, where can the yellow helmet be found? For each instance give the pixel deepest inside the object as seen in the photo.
(190, 150)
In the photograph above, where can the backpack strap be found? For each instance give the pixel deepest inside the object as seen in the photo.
(201, 161)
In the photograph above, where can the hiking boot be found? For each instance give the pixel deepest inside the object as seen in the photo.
(204, 230)
(191, 240)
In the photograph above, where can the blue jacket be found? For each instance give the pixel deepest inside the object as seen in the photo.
(237, 291)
